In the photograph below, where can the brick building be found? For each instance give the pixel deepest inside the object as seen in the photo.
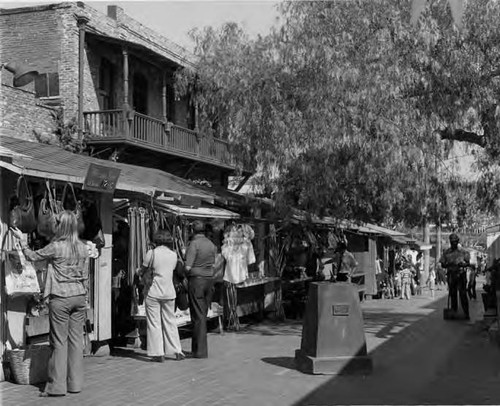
(113, 77)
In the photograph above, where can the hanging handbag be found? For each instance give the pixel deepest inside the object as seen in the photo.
(181, 287)
(218, 268)
(146, 277)
(22, 215)
(20, 275)
(47, 212)
(76, 208)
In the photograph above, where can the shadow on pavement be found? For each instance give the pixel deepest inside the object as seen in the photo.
(428, 361)
(284, 362)
(129, 353)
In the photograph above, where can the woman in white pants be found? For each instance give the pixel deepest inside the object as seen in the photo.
(162, 331)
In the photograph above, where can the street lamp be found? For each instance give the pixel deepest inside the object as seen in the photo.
(22, 73)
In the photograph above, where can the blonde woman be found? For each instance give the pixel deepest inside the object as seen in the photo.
(66, 288)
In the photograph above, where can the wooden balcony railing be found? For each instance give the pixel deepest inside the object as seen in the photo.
(113, 124)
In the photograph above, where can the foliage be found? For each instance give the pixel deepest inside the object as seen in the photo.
(66, 134)
(343, 109)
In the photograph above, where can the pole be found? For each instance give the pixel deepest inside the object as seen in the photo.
(81, 22)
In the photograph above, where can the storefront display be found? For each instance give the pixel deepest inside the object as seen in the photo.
(34, 207)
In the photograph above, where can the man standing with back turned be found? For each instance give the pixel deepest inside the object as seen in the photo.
(200, 257)
(456, 260)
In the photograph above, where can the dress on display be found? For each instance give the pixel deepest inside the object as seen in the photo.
(238, 253)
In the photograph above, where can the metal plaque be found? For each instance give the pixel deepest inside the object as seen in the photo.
(340, 310)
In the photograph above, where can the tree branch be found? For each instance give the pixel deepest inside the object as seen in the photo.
(462, 135)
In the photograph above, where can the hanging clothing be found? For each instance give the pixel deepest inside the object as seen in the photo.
(238, 257)
(238, 252)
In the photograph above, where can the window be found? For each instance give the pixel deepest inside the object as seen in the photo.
(47, 85)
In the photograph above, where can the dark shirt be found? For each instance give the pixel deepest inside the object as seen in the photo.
(200, 256)
(454, 260)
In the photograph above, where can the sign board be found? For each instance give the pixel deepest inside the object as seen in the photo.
(341, 310)
(101, 178)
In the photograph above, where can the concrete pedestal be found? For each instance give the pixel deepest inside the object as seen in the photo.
(333, 337)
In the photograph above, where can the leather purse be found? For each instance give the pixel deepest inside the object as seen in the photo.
(47, 212)
(76, 209)
(181, 287)
(22, 215)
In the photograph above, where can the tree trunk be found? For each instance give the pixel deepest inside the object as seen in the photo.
(427, 239)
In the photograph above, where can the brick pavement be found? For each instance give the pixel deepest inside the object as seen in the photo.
(418, 359)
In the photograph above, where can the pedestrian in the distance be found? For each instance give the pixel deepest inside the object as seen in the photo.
(200, 258)
(456, 260)
(163, 334)
(67, 287)
(406, 281)
(431, 281)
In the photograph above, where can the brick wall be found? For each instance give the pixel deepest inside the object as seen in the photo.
(21, 115)
(32, 37)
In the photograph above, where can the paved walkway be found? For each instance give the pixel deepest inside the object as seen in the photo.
(418, 359)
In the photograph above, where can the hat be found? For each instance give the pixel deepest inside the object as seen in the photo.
(454, 237)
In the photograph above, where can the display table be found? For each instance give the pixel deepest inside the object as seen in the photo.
(250, 299)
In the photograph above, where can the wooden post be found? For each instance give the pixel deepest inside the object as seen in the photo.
(81, 22)
(126, 105)
(164, 97)
(102, 319)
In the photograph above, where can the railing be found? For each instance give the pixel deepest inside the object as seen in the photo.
(148, 129)
(151, 131)
(106, 123)
(183, 139)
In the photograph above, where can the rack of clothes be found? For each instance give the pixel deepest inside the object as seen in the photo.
(238, 253)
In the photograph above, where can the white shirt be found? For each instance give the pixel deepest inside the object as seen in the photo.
(238, 257)
(165, 261)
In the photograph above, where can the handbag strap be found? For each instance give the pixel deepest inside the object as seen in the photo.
(63, 199)
(28, 195)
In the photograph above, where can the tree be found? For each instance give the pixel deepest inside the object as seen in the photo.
(343, 109)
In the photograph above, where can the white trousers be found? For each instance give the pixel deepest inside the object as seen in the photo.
(163, 334)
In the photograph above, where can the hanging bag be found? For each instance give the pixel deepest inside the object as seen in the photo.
(181, 287)
(77, 209)
(23, 215)
(47, 212)
(218, 268)
(20, 275)
(146, 277)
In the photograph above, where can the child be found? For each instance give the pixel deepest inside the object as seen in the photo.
(431, 281)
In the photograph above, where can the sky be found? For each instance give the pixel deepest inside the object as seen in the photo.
(175, 19)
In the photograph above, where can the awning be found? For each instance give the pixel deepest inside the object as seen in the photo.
(198, 212)
(51, 162)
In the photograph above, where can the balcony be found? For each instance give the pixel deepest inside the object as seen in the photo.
(115, 127)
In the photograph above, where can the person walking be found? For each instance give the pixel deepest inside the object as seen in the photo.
(456, 260)
(163, 335)
(406, 280)
(343, 262)
(200, 258)
(66, 287)
(431, 282)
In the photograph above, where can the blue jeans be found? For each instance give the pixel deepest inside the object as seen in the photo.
(65, 369)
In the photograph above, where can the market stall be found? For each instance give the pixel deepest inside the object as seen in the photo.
(142, 218)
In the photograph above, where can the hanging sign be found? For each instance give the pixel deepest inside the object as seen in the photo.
(101, 178)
